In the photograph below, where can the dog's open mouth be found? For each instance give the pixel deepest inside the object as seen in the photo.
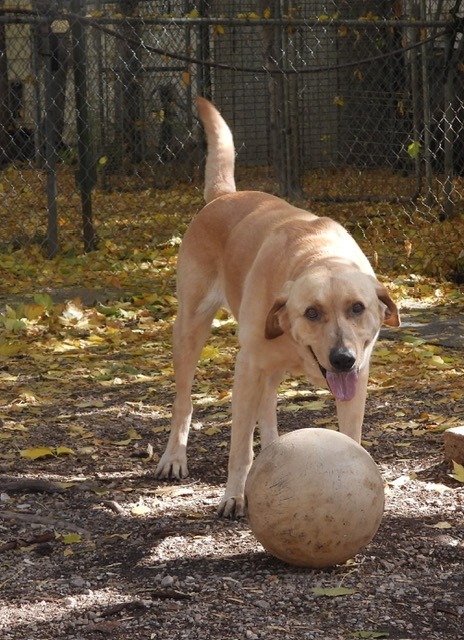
(343, 384)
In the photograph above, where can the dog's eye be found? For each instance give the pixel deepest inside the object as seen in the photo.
(357, 308)
(311, 313)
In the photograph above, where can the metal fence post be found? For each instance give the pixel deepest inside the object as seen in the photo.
(50, 145)
(86, 174)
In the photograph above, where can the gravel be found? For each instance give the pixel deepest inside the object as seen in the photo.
(174, 570)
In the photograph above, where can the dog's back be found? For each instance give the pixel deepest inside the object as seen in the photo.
(220, 161)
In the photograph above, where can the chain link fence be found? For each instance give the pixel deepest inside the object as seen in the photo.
(340, 101)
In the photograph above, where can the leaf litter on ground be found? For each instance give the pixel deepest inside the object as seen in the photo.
(86, 374)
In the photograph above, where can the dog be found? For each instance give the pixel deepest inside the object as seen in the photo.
(305, 297)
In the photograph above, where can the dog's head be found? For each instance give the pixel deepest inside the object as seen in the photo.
(334, 315)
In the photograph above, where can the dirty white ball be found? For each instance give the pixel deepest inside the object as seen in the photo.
(315, 498)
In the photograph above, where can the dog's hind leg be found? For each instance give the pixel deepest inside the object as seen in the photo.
(191, 330)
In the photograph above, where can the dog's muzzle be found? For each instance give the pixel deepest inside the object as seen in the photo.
(343, 379)
(342, 359)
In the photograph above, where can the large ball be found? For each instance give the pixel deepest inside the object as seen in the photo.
(315, 498)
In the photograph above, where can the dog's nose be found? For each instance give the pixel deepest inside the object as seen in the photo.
(342, 359)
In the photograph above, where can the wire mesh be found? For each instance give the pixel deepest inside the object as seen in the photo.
(335, 102)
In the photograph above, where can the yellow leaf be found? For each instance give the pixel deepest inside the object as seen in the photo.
(339, 101)
(368, 443)
(71, 538)
(249, 15)
(42, 452)
(36, 452)
(8, 377)
(140, 510)
(10, 349)
(87, 404)
(458, 472)
(414, 149)
(186, 78)
(160, 429)
(76, 430)
(201, 449)
(315, 405)
(401, 480)
(193, 14)
(15, 427)
(369, 634)
(33, 311)
(100, 491)
(60, 451)
(333, 591)
(440, 525)
(132, 433)
(209, 352)
(211, 431)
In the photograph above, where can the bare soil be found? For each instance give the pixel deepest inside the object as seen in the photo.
(152, 560)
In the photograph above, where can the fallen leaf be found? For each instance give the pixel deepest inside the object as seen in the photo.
(209, 353)
(369, 634)
(440, 525)
(35, 453)
(14, 427)
(458, 470)
(333, 592)
(88, 404)
(59, 451)
(211, 431)
(71, 538)
(140, 510)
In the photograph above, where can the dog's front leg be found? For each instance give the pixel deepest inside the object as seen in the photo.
(246, 398)
(267, 413)
(351, 413)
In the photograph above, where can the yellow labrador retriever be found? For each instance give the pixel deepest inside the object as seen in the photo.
(305, 297)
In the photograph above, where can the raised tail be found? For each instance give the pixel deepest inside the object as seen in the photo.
(220, 160)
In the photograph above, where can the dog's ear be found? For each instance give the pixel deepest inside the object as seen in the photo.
(392, 315)
(273, 328)
(277, 319)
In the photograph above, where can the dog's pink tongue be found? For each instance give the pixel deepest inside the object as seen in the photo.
(343, 385)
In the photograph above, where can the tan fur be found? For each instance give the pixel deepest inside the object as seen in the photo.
(305, 298)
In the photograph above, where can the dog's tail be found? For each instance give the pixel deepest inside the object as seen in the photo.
(219, 170)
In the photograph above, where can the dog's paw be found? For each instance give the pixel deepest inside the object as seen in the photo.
(232, 507)
(171, 466)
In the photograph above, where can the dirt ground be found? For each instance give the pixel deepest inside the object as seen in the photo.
(92, 546)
